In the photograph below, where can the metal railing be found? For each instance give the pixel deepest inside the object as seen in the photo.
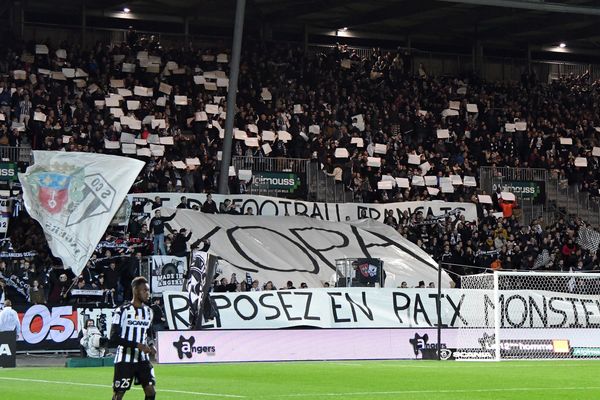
(324, 188)
(569, 200)
(531, 206)
(316, 185)
(560, 199)
(16, 154)
(297, 166)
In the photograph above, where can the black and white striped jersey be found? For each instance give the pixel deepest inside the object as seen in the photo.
(130, 327)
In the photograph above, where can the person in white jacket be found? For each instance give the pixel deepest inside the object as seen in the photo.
(92, 341)
(9, 319)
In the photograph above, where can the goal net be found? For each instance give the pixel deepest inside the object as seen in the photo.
(527, 315)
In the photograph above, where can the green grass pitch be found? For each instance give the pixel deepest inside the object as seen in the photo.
(323, 380)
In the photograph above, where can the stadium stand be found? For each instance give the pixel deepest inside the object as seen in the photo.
(108, 97)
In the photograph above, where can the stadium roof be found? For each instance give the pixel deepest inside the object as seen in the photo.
(495, 23)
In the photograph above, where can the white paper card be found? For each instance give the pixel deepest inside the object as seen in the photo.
(472, 108)
(443, 133)
(133, 104)
(566, 141)
(507, 196)
(41, 49)
(166, 140)
(127, 137)
(284, 136)
(449, 113)
(112, 101)
(116, 112)
(418, 180)
(143, 91)
(581, 162)
(469, 181)
(374, 162)
(200, 116)
(521, 126)
(267, 148)
(357, 141)
(455, 105)
(252, 128)
(39, 116)
(157, 150)
(266, 95)
(159, 123)
(111, 145)
(316, 129)
(144, 152)
(192, 161)
(414, 159)
(484, 198)
(245, 174)
(402, 182)
(130, 68)
(251, 142)
(211, 109)
(447, 188)
(596, 151)
(433, 191)
(181, 100)
(456, 179)
(341, 152)
(425, 167)
(268, 136)
(179, 164)
(128, 148)
(385, 185)
(239, 134)
(431, 180)
(380, 148)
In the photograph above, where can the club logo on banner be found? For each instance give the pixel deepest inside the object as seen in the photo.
(74, 197)
(168, 273)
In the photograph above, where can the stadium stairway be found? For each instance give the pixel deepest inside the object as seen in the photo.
(568, 200)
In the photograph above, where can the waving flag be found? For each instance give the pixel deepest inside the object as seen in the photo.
(74, 196)
(200, 275)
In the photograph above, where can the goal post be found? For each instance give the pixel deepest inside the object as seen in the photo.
(530, 315)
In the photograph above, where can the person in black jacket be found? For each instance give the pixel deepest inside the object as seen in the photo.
(179, 246)
(157, 224)
(209, 206)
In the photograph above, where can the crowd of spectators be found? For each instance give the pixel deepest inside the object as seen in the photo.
(324, 101)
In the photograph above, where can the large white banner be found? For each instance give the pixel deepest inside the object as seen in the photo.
(392, 308)
(74, 196)
(167, 273)
(304, 249)
(271, 206)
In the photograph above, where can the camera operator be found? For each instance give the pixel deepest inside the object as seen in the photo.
(92, 340)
